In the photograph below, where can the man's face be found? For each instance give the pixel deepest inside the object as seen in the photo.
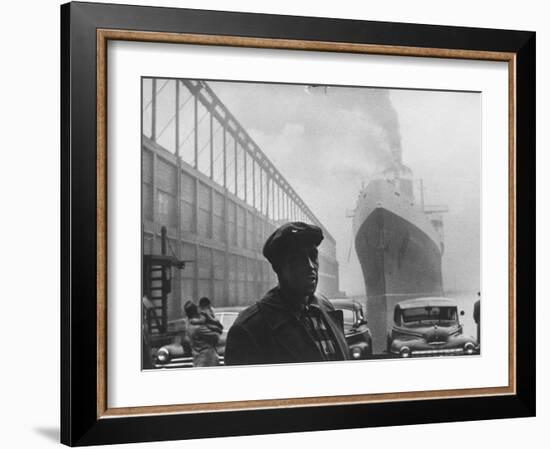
(298, 271)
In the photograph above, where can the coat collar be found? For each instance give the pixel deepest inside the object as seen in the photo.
(290, 332)
(282, 309)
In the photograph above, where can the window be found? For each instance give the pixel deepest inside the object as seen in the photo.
(147, 106)
(219, 225)
(429, 313)
(250, 242)
(187, 203)
(241, 236)
(187, 125)
(167, 209)
(203, 139)
(165, 111)
(231, 223)
(205, 207)
(217, 163)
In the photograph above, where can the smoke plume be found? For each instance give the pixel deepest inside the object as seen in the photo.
(375, 107)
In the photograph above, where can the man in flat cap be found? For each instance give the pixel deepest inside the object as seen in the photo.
(290, 324)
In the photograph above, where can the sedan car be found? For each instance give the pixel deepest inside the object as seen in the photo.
(357, 333)
(178, 354)
(226, 316)
(428, 327)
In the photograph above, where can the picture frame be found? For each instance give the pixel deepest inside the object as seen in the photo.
(86, 28)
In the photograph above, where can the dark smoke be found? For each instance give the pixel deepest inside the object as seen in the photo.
(353, 121)
(376, 106)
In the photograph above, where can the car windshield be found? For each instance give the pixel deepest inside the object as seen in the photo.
(349, 317)
(227, 319)
(429, 313)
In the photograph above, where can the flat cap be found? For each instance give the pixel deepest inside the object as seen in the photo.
(289, 235)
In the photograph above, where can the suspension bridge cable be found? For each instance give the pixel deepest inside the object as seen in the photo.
(173, 117)
(192, 130)
(157, 92)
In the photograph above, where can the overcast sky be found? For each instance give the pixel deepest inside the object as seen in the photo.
(328, 141)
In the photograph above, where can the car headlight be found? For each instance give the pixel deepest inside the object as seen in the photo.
(356, 353)
(405, 352)
(163, 356)
(469, 348)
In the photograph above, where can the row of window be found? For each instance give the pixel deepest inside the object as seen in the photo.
(208, 263)
(227, 279)
(243, 228)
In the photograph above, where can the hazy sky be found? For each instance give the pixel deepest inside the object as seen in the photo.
(328, 141)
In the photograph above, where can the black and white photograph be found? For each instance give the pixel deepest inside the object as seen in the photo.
(304, 223)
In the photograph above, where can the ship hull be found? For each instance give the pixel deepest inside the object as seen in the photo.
(400, 256)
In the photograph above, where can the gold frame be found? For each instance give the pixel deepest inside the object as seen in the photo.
(104, 35)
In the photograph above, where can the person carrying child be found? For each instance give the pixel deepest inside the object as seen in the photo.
(204, 332)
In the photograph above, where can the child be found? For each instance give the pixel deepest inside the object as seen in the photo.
(207, 315)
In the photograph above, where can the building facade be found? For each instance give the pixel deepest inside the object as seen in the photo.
(217, 194)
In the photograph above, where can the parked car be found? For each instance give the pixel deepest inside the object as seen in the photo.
(226, 316)
(357, 333)
(177, 354)
(428, 327)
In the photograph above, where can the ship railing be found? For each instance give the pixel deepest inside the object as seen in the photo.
(436, 209)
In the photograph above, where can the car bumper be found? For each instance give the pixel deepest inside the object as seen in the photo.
(180, 362)
(423, 349)
(432, 352)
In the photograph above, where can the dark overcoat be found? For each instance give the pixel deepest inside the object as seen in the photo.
(268, 332)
